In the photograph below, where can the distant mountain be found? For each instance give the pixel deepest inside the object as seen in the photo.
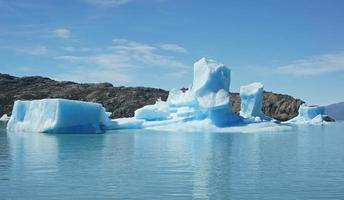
(336, 111)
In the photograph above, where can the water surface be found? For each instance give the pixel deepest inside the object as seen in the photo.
(304, 163)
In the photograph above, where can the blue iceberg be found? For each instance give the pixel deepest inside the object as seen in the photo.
(309, 115)
(57, 115)
(252, 102)
(207, 98)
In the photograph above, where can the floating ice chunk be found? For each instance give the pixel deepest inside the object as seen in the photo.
(57, 115)
(4, 118)
(124, 123)
(251, 100)
(158, 111)
(309, 115)
(310, 112)
(3, 121)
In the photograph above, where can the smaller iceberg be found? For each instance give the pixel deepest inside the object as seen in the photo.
(309, 115)
(3, 121)
(57, 115)
(252, 101)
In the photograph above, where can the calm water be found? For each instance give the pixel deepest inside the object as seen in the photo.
(306, 163)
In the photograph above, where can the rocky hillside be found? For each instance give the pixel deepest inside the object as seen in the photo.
(120, 101)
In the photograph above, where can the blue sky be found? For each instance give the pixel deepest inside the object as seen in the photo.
(293, 47)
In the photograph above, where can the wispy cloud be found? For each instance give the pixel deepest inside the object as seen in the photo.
(124, 58)
(107, 3)
(315, 65)
(62, 33)
(36, 51)
(84, 74)
(173, 47)
(80, 49)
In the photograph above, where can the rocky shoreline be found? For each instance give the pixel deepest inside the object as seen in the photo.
(120, 101)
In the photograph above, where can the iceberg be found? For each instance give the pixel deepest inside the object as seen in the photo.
(252, 102)
(208, 97)
(309, 115)
(57, 115)
(3, 121)
(5, 117)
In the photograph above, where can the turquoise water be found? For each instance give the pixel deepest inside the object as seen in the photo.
(305, 163)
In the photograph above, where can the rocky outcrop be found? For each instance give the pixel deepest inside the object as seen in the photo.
(120, 101)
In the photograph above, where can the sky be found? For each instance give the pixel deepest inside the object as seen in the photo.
(293, 47)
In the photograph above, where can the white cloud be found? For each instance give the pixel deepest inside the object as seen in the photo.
(107, 3)
(125, 58)
(25, 68)
(128, 54)
(80, 49)
(315, 65)
(70, 49)
(91, 75)
(36, 51)
(62, 33)
(173, 47)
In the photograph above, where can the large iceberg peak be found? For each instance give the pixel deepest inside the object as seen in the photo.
(210, 75)
(211, 88)
(211, 83)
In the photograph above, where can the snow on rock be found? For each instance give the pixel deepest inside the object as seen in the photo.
(57, 115)
(158, 111)
(309, 115)
(252, 101)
